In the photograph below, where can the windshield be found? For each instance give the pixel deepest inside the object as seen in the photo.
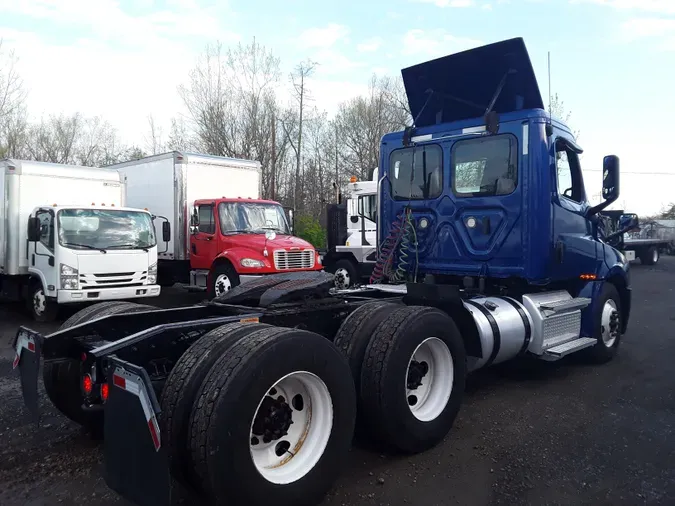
(105, 229)
(238, 217)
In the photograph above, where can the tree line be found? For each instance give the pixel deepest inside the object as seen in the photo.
(235, 106)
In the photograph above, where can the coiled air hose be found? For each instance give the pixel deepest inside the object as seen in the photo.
(399, 240)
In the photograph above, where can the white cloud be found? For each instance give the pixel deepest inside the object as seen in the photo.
(449, 3)
(661, 29)
(120, 66)
(333, 62)
(487, 7)
(369, 45)
(435, 43)
(653, 6)
(327, 36)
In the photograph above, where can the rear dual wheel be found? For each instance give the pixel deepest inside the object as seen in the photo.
(409, 365)
(271, 415)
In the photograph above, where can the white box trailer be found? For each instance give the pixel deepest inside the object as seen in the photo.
(66, 237)
(168, 184)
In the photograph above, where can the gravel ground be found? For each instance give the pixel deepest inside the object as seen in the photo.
(528, 433)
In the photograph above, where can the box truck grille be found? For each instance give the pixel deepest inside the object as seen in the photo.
(285, 260)
(112, 280)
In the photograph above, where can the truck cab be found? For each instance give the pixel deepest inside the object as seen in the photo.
(92, 253)
(488, 187)
(236, 240)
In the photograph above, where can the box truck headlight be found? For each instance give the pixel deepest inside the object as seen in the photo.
(251, 263)
(68, 277)
(152, 274)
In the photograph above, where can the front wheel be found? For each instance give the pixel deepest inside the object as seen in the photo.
(42, 308)
(650, 257)
(222, 279)
(345, 274)
(606, 325)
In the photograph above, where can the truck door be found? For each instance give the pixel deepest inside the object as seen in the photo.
(575, 250)
(42, 262)
(204, 242)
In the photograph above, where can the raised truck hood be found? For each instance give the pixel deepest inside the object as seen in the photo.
(462, 85)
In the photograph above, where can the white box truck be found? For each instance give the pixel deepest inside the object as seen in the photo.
(66, 237)
(224, 233)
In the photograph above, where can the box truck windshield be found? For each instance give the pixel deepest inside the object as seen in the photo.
(105, 229)
(253, 218)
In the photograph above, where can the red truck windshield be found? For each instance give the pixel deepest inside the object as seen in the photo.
(254, 218)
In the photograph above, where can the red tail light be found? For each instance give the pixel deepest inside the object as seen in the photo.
(87, 384)
(104, 392)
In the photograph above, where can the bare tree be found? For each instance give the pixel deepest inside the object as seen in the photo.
(180, 138)
(363, 121)
(13, 95)
(557, 110)
(154, 141)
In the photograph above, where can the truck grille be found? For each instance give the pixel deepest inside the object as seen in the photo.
(112, 280)
(285, 260)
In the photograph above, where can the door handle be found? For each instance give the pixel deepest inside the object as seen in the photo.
(560, 251)
(486, 225)
(209, 238)
(194, 249)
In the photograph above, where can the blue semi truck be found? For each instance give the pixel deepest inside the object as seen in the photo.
(488, 250)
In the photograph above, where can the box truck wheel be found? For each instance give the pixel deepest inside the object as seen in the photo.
(180, 391)
(412, 380)
(222, 279)
(62, 378)
(41, 307)
(274, 420)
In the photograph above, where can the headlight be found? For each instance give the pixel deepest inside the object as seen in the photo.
(152, 274)
(68, 277)
(251, 262)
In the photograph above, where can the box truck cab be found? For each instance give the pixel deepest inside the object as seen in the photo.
(235, 240)
(67, 239)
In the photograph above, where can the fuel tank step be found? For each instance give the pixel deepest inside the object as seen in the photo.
(564, 306)
(570, 347)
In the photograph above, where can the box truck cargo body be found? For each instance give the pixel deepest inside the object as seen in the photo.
(224, 234)
(66, 237)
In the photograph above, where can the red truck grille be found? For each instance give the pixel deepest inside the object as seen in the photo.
(286, 260)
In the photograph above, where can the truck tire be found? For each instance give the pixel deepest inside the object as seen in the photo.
(222, 279)
(606, 325)
(42, 309)
(180, 391)
(346, 274)
(650, 257)
(240, 431)
(353, 337)
(412, 380)
(62, 379)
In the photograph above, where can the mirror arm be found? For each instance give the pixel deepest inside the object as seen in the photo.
(592, 211)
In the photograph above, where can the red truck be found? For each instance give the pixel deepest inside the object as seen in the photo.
(217, 242)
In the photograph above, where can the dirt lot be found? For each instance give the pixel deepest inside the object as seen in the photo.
(563, 433)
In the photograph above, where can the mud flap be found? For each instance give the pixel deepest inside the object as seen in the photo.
(28, 347)
(136, 464)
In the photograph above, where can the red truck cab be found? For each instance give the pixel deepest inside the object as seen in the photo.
(235, 240)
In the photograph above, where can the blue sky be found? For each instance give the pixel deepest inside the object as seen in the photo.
(613, 60)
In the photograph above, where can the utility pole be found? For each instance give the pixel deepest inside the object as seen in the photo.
(274, 159)
(337, 176)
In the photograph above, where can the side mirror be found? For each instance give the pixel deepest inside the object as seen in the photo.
(166, 231)
(610, 178)
(610, 184)
(628, 222)
(33, 229)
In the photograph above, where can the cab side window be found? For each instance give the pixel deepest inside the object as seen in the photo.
(46, 224)
(568, 172)
(207, 223)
